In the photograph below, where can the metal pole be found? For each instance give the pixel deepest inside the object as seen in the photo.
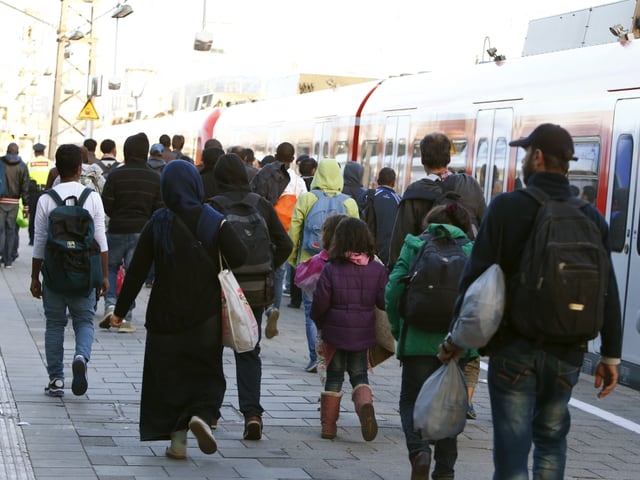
(57, 82)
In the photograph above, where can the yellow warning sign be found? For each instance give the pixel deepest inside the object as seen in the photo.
(88, 112)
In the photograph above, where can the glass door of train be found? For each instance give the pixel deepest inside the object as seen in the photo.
(396, 135)
(321, 140)
(623, 209)
(493, 134)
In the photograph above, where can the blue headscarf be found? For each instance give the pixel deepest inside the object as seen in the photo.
(182, 191)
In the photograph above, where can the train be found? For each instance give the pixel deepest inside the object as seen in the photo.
(593, 92)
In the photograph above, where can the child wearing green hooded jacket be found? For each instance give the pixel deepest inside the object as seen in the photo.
(418, 349)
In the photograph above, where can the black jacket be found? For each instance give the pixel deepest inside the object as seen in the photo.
(271, 180)
(502, 236)
(17, 176)
(130, 196)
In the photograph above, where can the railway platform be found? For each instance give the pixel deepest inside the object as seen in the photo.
(95, 436)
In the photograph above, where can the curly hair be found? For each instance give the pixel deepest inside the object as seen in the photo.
(351, 235)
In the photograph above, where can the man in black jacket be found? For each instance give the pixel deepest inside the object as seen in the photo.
(530, 382)
(420, 196)
(130, 196)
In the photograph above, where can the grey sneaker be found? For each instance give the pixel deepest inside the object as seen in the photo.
(312, 366)
(126, 327)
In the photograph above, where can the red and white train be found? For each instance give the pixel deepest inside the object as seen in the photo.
(593, 92)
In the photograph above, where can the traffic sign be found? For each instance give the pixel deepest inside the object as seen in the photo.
(88, 112)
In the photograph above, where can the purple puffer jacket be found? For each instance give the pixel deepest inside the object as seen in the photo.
(344, 301)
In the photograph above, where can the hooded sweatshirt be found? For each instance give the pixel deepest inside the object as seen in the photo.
(17, 177)
(132, 192)
(328, 178)
(353, 173)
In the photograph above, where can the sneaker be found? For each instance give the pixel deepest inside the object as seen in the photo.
(293, 305)
(252, 428)
(148, 285)
(79, 383)
(202, 432)
(271, 330)
(471, 412)
(126, 327)
(8, 267)
(55, 388)
(312, 367)
(106, 320)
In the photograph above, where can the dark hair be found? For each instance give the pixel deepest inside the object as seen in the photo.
(267, 160)
(552, 162)
(329, 229)
(237, 149)
(386, 176)
(435, 150)
(589, 192)
(211, 155)
(165, 140)
(212, 143)
(306, 166)
(285, 152)
(247, 155)
(107, 145)
(351, 235)
(91, 144)
(177, 141)
(68, 159)
(451, 214)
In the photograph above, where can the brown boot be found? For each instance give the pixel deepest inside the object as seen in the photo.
(363, 402)
(329, 412)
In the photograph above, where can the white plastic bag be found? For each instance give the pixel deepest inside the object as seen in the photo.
(239, 326)
(481, 311)
(440, 410)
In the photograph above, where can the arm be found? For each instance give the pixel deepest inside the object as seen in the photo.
(382, 282)
(108, 198)
(231, 246)
(295, 230)
(279, 237)
(395, 287)
(321, 297)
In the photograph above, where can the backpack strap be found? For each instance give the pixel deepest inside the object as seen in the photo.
(56, 198)
(101, 164)
(83, 197)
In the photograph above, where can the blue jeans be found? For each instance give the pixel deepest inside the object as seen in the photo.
(278, 284)
(353, 362)
(249, 375)
(530, 392)
(8, 215)
(121, 248)
(82, 310)
(310, 328)
(415, 370)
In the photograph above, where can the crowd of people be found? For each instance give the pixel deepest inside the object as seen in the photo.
(172, 225)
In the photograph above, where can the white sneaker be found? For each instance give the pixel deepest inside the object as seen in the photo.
(126, 327)
(106, 320)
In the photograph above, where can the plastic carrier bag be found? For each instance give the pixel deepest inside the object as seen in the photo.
(440, 410)
(481, 311)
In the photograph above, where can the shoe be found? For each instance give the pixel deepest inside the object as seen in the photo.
(471, 412)
(271, 330)
(312, 367)
(286, 293)
(202, 432)
(214, 424)
(8, 267)
(252, 428)
(148, 285)
(420, 466)
(106, 320)
(126, 327)
(79, 383)
(55, 388)
(293, 305)
(171, 453)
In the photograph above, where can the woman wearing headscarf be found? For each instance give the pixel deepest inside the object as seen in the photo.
(233, 188)
(183, 382)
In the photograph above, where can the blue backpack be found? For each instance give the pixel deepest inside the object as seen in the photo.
(3, 180)
(72, 263)
(324, 206)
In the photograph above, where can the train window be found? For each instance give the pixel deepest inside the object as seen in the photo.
(316, 149)
(417, 169)
(583, 172)
(325, 150)
(499, 164)
(370, 162)
(388, 149)
(303, 149)
(458, 155)
(620, 193)
(482, 157)
(341, 151)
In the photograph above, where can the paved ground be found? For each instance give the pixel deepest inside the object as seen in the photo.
(95, 436)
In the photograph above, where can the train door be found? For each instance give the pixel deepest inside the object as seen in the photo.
(321, 140)
(396, 141)
(623, 208)
(493, 134)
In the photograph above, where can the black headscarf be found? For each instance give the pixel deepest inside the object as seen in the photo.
(182, 191)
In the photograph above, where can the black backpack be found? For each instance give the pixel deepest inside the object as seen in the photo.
(255, 275)
(106, 169)
(432, 284)
(368, 211)
(559, 292)
(72, 256)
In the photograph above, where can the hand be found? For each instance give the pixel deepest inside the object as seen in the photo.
(25, 212)
(448, 351)
(116, 321)
(104, 288)
(36, 288)
(606, 376)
